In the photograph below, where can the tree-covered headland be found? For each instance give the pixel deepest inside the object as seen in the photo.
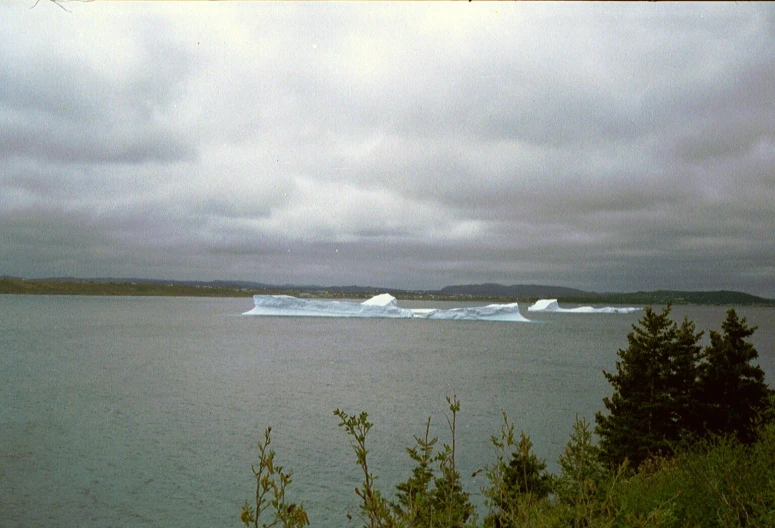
(687, 438)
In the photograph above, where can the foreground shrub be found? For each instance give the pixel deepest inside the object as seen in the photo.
(582, 490)
(518, 488)
(432, 496)
(718, 482)
(271, 484)
(682, 444)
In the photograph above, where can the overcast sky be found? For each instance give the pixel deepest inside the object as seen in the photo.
(412, 145)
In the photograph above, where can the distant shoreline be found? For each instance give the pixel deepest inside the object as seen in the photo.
(159, 288)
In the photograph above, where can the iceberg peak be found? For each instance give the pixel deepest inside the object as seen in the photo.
(383, 299)
(544, 305)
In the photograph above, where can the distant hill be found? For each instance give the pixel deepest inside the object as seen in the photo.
(720, 297)
(236, 288)
(533, 291)
(517, 290)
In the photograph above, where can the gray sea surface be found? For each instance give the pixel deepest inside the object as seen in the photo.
(145, 411)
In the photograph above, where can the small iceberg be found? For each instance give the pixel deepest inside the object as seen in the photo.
(380, 306)
(550, 305)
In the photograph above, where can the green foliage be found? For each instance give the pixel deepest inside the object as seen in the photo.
(271, 483)
(668, 391)
(374, 506)
(526, 473)
(583, 484)
(718, 482)
(450, 504)
(518, 486)
(732, 391)
(654, 389)
(430, 497)
(414, 495)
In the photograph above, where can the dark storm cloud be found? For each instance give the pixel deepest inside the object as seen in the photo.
(411, 145)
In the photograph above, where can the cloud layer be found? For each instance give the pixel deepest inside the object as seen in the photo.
(605, 147)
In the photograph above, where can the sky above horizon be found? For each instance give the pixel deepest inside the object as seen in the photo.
(607, 147)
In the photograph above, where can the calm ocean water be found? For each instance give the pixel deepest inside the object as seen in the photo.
(132, 411)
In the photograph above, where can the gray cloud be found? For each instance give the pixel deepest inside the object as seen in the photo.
(59, 107)
(621, 147)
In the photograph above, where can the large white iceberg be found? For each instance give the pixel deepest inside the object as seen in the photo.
(550, 305)
(383, 305)
(285, 305)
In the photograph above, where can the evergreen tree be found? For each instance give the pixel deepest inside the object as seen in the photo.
(581, 473)
(732, 391)
(517, 486)
(683, 374)
(526, 473)
(415, 495)
(654, 390)
(445, 503)
(582, 485)
(449, 498)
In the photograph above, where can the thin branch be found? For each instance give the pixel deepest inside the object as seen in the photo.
(59, 3)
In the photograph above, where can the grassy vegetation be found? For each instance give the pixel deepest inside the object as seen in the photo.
(77, 287)
(20, 286)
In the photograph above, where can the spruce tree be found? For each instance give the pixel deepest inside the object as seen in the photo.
(654, 390)
(526, 473)
(582, 483)
(517, 486)
(732, 390)
(581, 473)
